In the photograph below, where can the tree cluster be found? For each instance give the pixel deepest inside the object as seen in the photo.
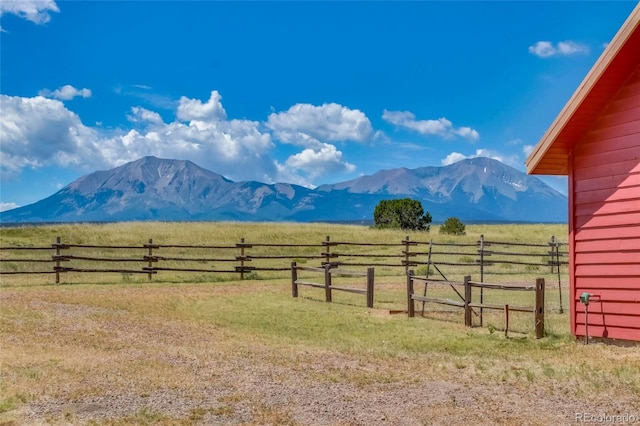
(408, 214)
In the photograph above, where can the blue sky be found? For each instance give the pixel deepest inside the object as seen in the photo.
(300, 92)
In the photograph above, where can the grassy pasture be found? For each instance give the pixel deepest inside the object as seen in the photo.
(109, 351)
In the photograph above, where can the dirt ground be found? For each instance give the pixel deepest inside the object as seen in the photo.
(257, 387)
(163, 372)
(241, 391)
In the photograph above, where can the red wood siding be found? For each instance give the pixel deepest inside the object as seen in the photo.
(605, 219)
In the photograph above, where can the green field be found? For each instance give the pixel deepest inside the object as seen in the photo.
(115, 350)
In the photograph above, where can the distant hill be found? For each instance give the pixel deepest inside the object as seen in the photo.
(474, 190)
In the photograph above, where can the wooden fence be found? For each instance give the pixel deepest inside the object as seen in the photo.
(464, 299)
(245, 259)
(328, 285)
(496, 257)
(408, 254)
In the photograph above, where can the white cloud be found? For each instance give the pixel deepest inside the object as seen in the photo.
(572, 48)
(143, 115)
(39, 131)
(146, 93)
(319, 162)
(543, 49)
(36, 11)
(467, 133)
(234, 148)
(440, 127)
(454, 157)
(65, 93)
(511, 160)
(527, 150)
(7, 206)
(194, 109)
(310, 126)
(546, 49)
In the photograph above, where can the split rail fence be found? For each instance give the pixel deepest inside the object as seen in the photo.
(465, 300)
(245, 260)
(327, 283)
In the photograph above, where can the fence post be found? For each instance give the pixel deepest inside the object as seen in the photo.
(539, 307)
(411, 309)
(150, 259)
(552, 243)
(506, 320)
(327, 250)
(481, 242)
(370, 287)
(426, 283)
(241, 259)
(327, 282)
(556, 246)
(406, 254)
(294, 278)
(467, 301)
(57, 267)
(481, 275)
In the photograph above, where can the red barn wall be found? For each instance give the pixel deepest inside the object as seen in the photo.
(604, 191)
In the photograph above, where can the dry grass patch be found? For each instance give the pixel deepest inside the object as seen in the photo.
(248, 353)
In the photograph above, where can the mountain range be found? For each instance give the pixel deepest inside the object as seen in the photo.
(473, 190)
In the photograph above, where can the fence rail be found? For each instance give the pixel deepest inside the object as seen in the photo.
(465, 299)
(408, 255)
(245, 259)
(328, 285)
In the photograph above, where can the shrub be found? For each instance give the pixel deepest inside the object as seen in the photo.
(453, 226)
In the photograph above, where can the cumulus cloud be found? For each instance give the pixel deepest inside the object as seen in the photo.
(311, 126)
(440, 127)
(454, 157)
(527, 149)
(319, 162)
(39, 131)
(7, 206)
(65, 93)
(546, 49)
(234, 148)
(196, 110)
(36, 11)
(42, 131)
(314, 127)
(143, 115)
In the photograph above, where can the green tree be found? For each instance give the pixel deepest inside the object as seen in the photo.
(453, 226)
(406, 214)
